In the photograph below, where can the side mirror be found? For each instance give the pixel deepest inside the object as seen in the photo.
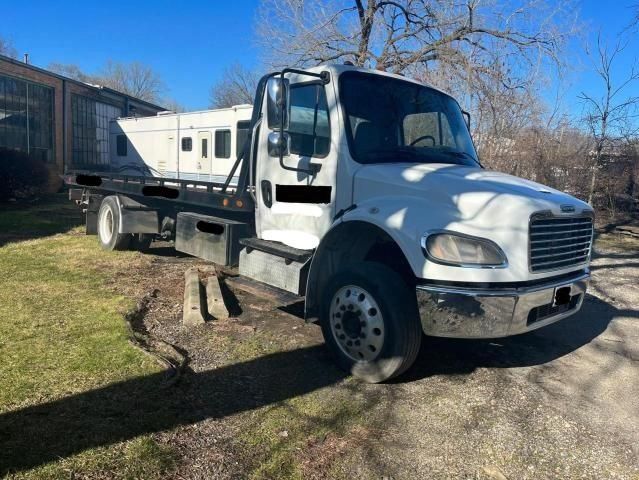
(278, 144)
(276, 103)
(466, 116)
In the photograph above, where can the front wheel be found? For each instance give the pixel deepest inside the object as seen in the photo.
(370, 322)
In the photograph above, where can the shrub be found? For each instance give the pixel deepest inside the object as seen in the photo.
(20, 175)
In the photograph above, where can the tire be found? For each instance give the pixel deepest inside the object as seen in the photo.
(383, 325)
(108, 222)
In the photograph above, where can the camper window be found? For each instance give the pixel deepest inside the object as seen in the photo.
(121, 145)
(205, 148)
(241, 136)
(222, 144)
(187, 144)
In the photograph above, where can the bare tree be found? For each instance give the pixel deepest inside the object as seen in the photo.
(134, 78)
(237, 86)
(7, 48)
(172, 105)
(72, 71)
(395, 35)
(609, 115)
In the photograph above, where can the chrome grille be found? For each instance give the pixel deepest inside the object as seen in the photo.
(557, 242)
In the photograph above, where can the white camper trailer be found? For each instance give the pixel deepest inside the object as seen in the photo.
(190, 146)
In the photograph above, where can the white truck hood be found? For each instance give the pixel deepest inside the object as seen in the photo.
(409, 200)
(451, 181)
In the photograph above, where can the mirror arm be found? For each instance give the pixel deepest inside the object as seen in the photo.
(324, 76)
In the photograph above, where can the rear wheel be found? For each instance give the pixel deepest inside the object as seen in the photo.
(108, 226)
(370, 322)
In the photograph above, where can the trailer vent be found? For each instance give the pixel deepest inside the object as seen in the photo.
(557, 242)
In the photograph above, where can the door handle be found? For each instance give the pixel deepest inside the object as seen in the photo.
(267, 193)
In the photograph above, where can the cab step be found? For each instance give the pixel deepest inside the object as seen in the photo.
(277, 249)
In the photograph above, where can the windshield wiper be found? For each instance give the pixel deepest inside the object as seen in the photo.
(394, 155)
(459, 154)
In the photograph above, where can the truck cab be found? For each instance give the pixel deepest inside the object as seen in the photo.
(366, 196)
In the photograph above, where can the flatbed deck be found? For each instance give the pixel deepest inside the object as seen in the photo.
(225, 196)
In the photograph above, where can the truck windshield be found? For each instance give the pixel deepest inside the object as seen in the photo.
(391, 121)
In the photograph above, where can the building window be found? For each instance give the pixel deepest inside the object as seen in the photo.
(26, 118)
(121, 146)
(241, 136)
(309, 129)
(90, 119)
(222, 144)
(187, 144)
(205, 148)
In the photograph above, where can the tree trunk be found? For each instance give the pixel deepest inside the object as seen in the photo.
(366, 17)
(593, 181)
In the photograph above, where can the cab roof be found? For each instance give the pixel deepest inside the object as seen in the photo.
(337, 69)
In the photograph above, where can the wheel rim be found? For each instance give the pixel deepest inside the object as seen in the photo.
(357, 323)
(106, 225)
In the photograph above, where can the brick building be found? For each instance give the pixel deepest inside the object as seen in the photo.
(62, 122)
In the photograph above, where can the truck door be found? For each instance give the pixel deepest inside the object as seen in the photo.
(296, 207)
(204, 153)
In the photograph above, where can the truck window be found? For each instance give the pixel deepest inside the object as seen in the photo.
(222, 144)
(121, 146)
(205, 148)
(389, 120)
(187, 144)
(242, 135)
(309, 127)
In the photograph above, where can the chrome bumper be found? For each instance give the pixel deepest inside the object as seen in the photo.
(492, 313)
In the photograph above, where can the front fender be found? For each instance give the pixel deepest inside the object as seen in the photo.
(405, 220)
(354, 234)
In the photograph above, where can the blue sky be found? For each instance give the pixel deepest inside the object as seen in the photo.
(190, 42)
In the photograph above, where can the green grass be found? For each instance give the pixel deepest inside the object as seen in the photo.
(49, 215)
(63, 339)
(62, 331)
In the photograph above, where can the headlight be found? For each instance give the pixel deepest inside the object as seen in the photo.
(462, 250)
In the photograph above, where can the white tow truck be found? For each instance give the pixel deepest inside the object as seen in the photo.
(362, 192)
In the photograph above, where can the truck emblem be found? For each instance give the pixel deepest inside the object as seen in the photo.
(567, 208)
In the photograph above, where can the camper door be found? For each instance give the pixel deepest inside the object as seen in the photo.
(204, 153)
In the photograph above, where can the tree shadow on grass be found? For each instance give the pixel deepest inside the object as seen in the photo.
(48, 215)
(43, 433)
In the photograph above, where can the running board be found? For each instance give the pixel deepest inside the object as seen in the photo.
(276, 248)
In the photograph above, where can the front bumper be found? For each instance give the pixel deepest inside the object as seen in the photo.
(448, 311)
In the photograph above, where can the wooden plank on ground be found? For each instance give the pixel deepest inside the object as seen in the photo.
(214, 299)
(193, 309)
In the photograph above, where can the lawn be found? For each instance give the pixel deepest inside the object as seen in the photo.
(78, 400)
(62, 333)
